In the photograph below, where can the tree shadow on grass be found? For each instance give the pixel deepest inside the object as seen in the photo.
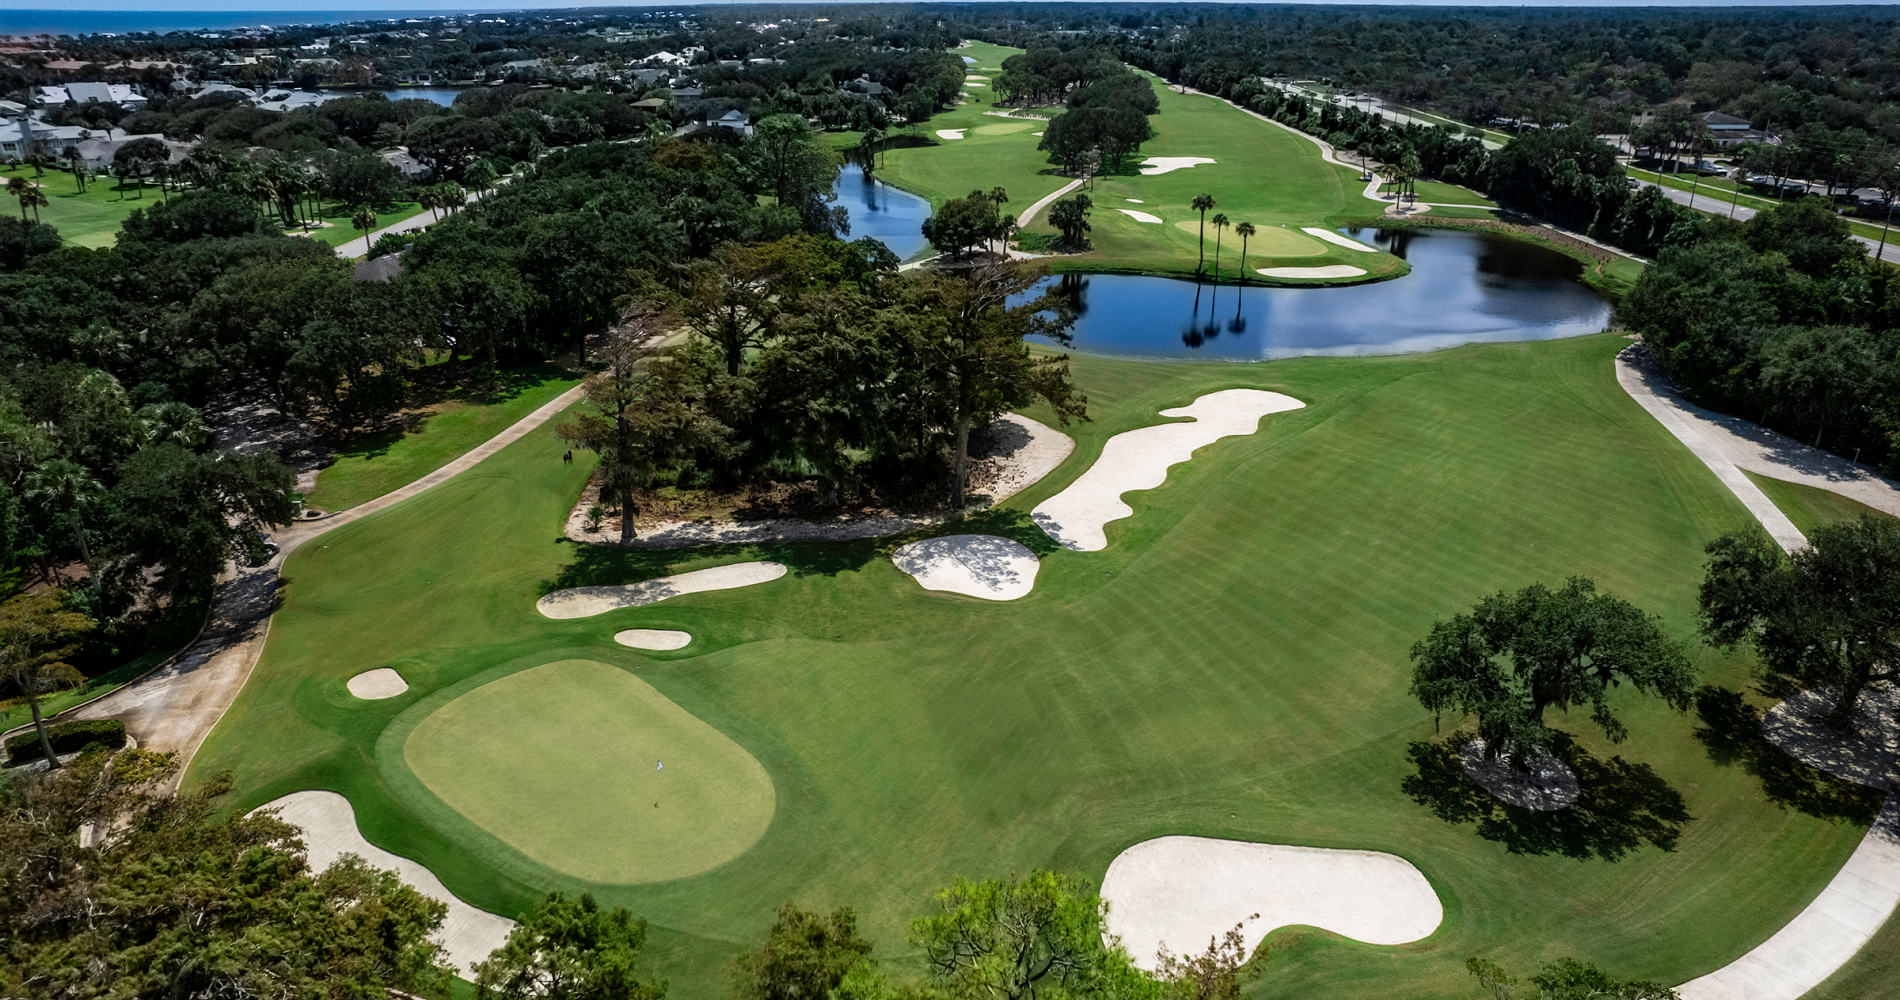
(1730, 732)
(1623, 806)
(612, 565)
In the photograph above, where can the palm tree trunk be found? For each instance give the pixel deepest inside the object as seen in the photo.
(39, 725)
(1243, 259)
(85, 552)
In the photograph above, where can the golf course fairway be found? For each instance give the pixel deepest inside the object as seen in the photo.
(1233, 665)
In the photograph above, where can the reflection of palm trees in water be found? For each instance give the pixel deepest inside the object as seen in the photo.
(1197, 333)
(1239, 323)
(1074, 287)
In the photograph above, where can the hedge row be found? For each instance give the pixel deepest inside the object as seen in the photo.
(66, 737)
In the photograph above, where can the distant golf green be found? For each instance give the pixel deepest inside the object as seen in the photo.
(1233, 665)
(588, 751)
(1261, 173)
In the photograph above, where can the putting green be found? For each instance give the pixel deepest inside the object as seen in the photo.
(1004, 128)
(562, 763)
(1268, 241)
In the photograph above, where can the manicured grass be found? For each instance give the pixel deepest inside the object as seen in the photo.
(379, 463)
(341, 232)
(1438, 192)
(1303, 190)
(1233, 665)
(570, 788)
(90, 218)
(1721, 195)
(1810, 507)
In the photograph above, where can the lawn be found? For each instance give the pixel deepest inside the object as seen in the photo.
(1810, 507)
(1302, 191)
(340, 231)
(433, 436)
(1721, 193)
(1233, 665)
(1441, 193)
(90, 218)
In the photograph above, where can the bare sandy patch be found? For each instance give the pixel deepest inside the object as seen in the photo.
(1139, 460)
(986, 566)
(1326, 271)
(1155, 165)
(374, 685)
(1140, 216)
(950, 133)
(653, 638)
(1337, 240)
(585, 602)
(1183, 891)
(329, 832)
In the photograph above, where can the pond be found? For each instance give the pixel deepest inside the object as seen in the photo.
(1464, 288)
(444, 96)
(878, 209)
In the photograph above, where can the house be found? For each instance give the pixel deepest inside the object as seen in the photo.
(384, 268)
(738, 121)
(647, 77)
(653, 104)
(290, 100)
(21, 136)
(90, 93)
(864, 85)
(407, 165)
(686, 93)
(98, 151)
(1729, 130)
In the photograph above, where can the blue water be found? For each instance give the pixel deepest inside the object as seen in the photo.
(67, 21)
(877, 209)
(444, 96)
(1464, 288)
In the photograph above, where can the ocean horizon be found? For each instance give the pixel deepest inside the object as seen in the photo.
(28, 23)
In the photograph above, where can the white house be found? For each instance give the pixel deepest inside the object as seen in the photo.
(278, 99)
(21, 135)
(90, 93)
(738, 121)
(407, 165)
(98, 151)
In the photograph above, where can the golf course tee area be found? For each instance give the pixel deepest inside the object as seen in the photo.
(1233, 665)
(1143, 220)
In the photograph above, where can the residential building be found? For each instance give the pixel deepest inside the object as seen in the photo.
(98, 151)
(738, 121)
(90, 93)
(407, 165)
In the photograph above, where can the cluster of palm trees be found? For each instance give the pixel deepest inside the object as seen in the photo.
(1204, 203)
(29, 194)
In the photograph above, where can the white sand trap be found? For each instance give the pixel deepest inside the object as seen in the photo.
(973, 76)
(372, 685)
(985, 566)
(1035, 133)
(1134, 201)
(950, 133)
(584, 602)
(1139, 460)
(1337, 240)
(1163, 164)
(1326, 271)
(653, 638)
(329, 831)
(1182, 891)
(1139, 216)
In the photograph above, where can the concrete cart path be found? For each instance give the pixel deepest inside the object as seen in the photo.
(1644, 388)
(175, 706)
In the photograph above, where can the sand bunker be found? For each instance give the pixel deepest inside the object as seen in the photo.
(985, 566)
(1154, 165)
(1336, 239)
(1139, 216)
(973, 76)
(372, 685)
(1328, 271)
(1134, 201)
(653, 638)
(1182, 891)
(1139, 460)
(584, 602)
(950, 133)
(329, 831)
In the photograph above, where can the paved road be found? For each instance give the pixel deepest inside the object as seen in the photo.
(354, 247)
(1717, 205)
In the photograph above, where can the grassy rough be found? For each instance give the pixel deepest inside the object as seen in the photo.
(1233, 665)
(1810, 507)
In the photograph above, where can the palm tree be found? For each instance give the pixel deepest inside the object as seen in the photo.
(34, 197)
(18, 187)
(480, 175)
(1243, 231)
(1201, 204)
(66, 485)
(1220, 223)
(37, 635)
(78, 167)
(365, 220)
(426, 197)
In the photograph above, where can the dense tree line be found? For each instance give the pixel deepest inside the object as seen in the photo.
(1784, 319)
(1107, 104)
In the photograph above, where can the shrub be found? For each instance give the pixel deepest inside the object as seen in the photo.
(66, 737)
